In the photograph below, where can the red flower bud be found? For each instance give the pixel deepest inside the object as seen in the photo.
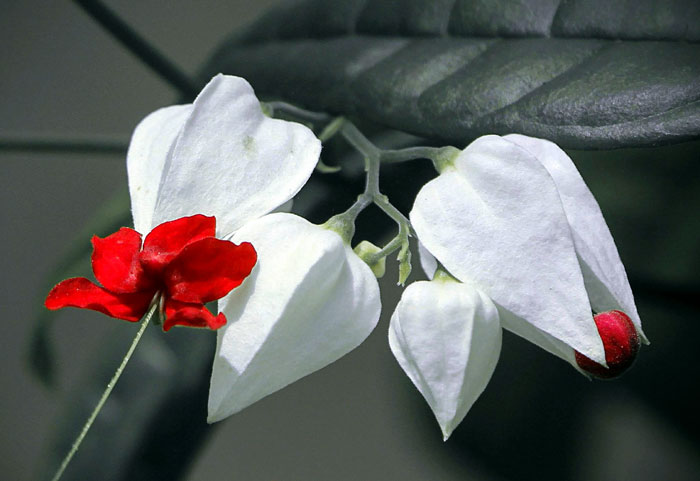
(621, 344)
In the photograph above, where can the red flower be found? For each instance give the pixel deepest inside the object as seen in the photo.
(181, 265)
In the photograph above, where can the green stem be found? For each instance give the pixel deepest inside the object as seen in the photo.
(383, 203)
(373, 157)
(331, 129)
(372, 194)
(358, 140)
(297, 112)
(441, 157)
(344, 223)
(371, 153)
(76, 444)
(393, 245)
(410, 153)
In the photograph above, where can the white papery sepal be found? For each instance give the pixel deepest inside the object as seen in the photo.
(232, 161)
(447, 338)
(603, 273)
(528, 331)
(219, 156)
(308, 301)
(428, 262)
(150, 144)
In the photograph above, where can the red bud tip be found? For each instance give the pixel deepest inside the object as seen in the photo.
(620, 341)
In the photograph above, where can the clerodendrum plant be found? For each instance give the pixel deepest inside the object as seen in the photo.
(510, 236)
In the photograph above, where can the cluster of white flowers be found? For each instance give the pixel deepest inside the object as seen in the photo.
(509, 234)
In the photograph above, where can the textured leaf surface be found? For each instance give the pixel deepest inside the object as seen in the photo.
(583, 73)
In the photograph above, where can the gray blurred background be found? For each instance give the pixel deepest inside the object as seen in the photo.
(360, 418)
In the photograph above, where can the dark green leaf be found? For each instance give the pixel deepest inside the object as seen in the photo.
(584, 73)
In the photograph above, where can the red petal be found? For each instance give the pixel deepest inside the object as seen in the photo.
(82, 293)
(115, 262)
(208, 269)
(166, 241)
(191, 315)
